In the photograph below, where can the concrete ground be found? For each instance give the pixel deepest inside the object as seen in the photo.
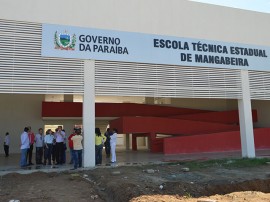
(11, 163)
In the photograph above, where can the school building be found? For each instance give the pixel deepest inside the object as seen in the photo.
(173, 76)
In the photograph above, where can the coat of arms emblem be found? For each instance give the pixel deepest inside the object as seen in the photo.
(64, 41)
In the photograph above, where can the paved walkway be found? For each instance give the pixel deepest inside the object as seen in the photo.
(11, 163)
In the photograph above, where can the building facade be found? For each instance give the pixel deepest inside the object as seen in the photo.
(27, 77)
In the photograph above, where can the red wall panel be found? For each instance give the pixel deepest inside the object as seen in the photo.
(228, 117)
(216, 142)
(74, 109)
(262, 138)
(61, 109)
(169, 126)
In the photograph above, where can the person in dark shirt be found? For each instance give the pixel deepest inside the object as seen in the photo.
(107, 145)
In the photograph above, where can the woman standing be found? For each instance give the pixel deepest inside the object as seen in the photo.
(99, 140)
(113, 145)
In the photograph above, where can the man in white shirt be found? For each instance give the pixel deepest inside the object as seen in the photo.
(39, 139)
(6, 144)
(25, 144)
(60, 138)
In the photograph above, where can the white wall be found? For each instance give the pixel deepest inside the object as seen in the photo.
(18, 111)
(171, 17)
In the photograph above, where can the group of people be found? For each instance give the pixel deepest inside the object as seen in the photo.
(52, 146)
(28, 139)
(109, 140)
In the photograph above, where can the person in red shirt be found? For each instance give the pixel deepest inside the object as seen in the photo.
(70, 144)
(31, 136)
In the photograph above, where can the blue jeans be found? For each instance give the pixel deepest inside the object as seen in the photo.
(77, 158)
(23, 162)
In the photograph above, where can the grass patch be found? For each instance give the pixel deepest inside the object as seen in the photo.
(226, 163)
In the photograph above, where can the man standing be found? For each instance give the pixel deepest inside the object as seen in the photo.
(107, 142)
(39, 146)
(31, 136)
(24, 147)
(60, 137)
(6, 144)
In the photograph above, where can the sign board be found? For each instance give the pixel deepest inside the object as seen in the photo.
(97, 44)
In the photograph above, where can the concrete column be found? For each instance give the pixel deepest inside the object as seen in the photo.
(245, 116)
(127, 141)
(89, 113)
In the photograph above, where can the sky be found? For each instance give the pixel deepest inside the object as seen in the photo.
(254, 5)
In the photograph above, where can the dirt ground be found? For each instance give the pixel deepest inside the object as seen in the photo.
(163, 182)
